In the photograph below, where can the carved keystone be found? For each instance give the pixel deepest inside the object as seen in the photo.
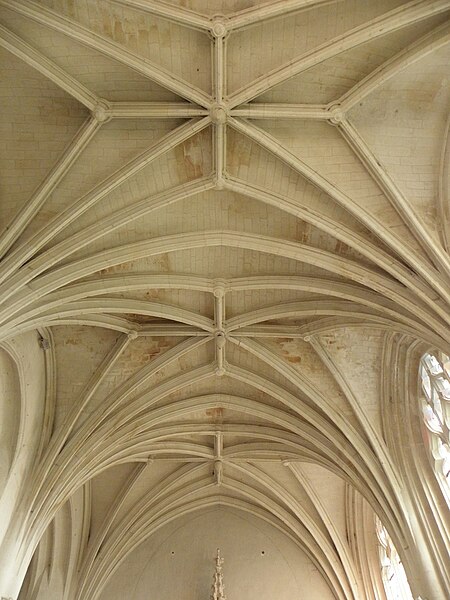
(218, 113)
(220, 339)
(219, 288)
(219, 27)
(336, 114)
(102, 112)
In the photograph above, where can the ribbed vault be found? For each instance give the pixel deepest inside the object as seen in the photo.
(225, 223)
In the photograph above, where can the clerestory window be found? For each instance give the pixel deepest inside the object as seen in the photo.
(435, 401)
(392, 571)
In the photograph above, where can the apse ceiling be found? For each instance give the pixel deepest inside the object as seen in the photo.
(214, 214)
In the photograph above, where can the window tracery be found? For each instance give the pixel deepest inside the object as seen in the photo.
(393, 574)
(435, 400)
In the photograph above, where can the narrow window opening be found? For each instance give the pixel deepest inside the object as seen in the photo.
(434, 374)
(392, 571)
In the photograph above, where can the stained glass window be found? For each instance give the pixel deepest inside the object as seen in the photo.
(392, 571)
(435, 402)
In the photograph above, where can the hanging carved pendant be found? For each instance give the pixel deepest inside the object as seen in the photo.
(217, 589)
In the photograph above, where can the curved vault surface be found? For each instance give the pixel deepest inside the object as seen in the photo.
(218, 215)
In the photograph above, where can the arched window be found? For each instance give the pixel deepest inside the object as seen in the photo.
(435, 400)
(392, 571)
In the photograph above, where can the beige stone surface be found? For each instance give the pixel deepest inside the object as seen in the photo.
(224, 242)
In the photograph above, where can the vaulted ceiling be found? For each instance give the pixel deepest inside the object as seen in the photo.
(216, 214)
